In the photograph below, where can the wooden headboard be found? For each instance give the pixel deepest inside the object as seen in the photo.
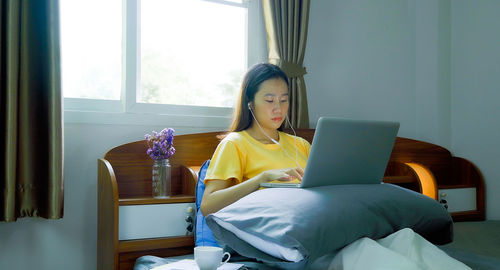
(124, 178)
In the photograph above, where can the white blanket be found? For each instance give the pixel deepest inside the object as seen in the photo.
(403, 249)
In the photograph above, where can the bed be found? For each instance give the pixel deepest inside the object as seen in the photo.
(124, 184)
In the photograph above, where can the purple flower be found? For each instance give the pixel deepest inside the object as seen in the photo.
(160, 144)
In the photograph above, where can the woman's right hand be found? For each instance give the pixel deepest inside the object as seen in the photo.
(287, 174)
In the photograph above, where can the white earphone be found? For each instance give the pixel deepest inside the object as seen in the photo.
(273, 140)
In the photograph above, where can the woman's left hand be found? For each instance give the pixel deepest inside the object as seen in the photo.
(287, 174)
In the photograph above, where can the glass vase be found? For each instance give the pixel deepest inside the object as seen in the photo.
(162, 179)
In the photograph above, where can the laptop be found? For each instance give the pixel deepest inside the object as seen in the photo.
(346, 151)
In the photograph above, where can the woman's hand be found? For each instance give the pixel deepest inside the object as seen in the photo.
(287, 174)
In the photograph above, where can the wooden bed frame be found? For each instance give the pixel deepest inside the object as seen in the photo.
(124, 178)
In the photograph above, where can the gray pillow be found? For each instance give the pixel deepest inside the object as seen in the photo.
(288, 227)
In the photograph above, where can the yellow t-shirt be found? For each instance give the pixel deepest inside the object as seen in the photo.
(240, 156)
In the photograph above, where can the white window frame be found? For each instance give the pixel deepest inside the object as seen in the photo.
(128, 111)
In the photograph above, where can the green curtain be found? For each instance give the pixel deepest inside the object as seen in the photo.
(286, 27)
(31, 142)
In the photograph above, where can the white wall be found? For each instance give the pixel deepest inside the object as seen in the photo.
(70, 243)
(432, 71)
(476, 90)
(360, 61)
(432, 65)
(385, 59)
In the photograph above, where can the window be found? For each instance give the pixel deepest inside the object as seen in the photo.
(157, 56)
(91, 49)
(192, 47)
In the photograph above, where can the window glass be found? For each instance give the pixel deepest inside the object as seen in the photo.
(192, 52)
(91, 32)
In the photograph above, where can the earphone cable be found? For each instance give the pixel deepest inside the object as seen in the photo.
(274, 141)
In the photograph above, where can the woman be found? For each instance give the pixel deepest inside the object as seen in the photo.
(255, 150)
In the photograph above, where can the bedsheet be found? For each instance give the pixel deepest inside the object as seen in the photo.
(403, 249)
(476, 244)
(149, 262)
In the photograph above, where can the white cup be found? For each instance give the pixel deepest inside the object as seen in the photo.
(209, 258)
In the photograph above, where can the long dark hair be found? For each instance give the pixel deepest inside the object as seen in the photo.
(255, 76)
